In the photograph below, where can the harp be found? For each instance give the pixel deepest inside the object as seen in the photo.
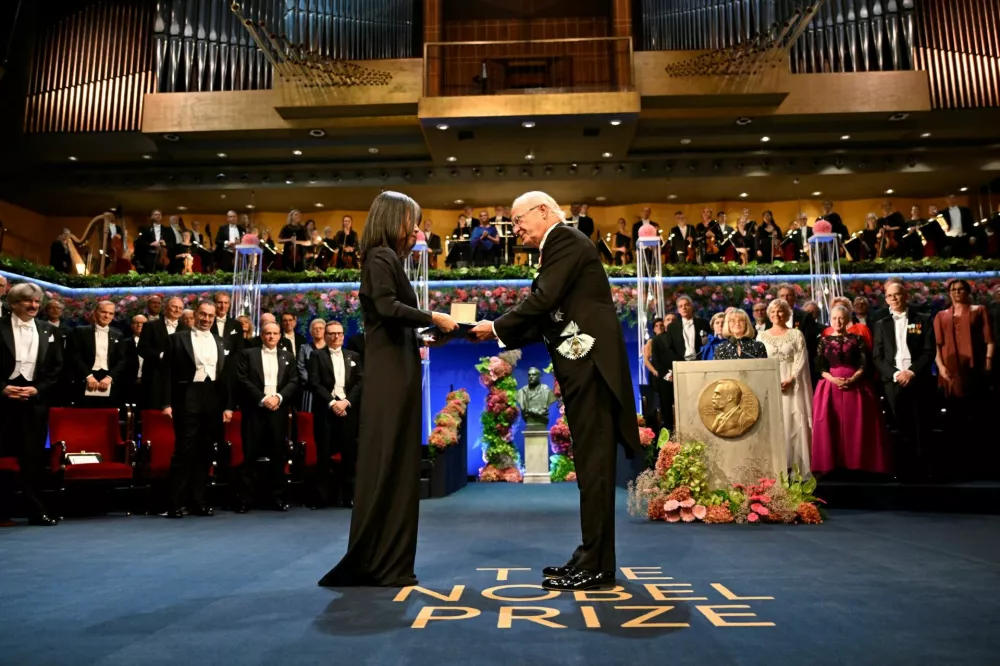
(88, 252)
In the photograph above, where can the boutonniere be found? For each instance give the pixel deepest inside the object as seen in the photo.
(353, 364)
(52, 338)
(225, 352)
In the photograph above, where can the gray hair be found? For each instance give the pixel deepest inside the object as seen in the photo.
(25, 291)
(716, 317)
(138, 317)
(537, 198)
(317, 321)
(739, 313)
(787, 285)
(264, 326)
(683, 297)
(779, 304)
(847, 313)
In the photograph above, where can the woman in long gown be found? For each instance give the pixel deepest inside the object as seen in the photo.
(383, 541)
(848, 429)
(788, 345)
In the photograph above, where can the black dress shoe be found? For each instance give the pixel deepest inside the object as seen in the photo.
(580, 580)
(202, 511)
(280, 505)
(558, 572)
(347, 504)
(173, 513)
(42, 520)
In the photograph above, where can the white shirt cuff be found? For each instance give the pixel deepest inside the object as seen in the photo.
(493, 326)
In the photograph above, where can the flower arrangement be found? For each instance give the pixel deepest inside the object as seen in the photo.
(447, 422)
(498, 418)
(675, 489)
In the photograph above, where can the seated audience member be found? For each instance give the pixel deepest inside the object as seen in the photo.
(738, 335)
(964, 338)
(31, 364)
(760, 320)
(267, 382)
(715, 338)
(97, 358)
(317, 340)
(335, 380)
(904, 352)
(848, 429)
(788, 345)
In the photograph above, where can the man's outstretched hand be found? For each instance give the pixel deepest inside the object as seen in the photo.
(483, 331)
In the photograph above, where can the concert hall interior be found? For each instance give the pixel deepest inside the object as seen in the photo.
(823, 175)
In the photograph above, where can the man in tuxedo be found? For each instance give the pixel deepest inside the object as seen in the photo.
(151, 240)
(335, 381)
(283, 342)
(154, 307)
(153, 343)
(800, 233)
(961, 229)
(570, 309)
(97, 358)
(433, 243)
(227, 328)
(681, 341)
(226, 240)
(133, 365)
(644, 214)
(194, 390)
(31, 361)
(579, 219)
(267, 382)
(4, 286)
(681, 235)
(904, 351)
(288, 324)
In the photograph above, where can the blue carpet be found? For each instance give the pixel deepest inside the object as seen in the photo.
(866, 588)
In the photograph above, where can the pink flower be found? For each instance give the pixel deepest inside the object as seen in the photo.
(688, 503)
(672, 517)
(752, 518)
(760, 509)
(671, 505)
(699, 511)
(687, 515)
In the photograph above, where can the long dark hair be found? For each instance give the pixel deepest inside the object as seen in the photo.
(388, 215)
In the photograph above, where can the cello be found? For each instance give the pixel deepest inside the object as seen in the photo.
(119, 260)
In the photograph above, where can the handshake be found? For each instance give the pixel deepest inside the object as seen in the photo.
(446, 325)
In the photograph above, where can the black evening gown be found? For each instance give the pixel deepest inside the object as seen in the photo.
(383, 542)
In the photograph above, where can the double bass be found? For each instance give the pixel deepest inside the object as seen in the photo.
(119, 260)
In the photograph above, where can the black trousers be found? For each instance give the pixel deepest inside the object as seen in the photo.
(25, 425)
(910, 408)
(197, 417)
(592, 419)
(265, 435)
(336, 434)
(666, 391)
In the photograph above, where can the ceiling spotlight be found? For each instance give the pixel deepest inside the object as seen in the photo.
(816, 194)
(743, 121)
(459, 201)
(743, 195)
(572, 168)
(595, 171)
(925, 135)
(964, 189)
(442, 126)
(526, 172)
(453, 173)
(501, 171)
(313, 179)
(319, 205)
(616, 122)
(765, 139)
(317, 133)
(528, 124)
(530, 157)
(671, 196)
(250, 206)
(620, 169)
(407, 175)
(221, 155)
(845, 137)
(182, 208)
(171, 137)
(602, 198)
(685, 142)
(605, 155)
(452, 158)
(477, 172)
(890, 191)
(373, 151)
(548, 169)
(72, 158)
(289, 181)
(896, 117)
(147, 157)
(296, 152)
(222, 196)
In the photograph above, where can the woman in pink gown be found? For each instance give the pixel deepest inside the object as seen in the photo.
(848, 429)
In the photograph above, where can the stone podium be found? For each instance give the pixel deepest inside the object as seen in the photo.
(536, 456)
(734, 407)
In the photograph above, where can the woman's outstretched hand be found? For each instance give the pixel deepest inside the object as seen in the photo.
(483, 331)
(444, 322)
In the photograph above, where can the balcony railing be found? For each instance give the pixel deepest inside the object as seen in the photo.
(584, 64)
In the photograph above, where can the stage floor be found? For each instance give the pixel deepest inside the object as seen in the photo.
(865, 588)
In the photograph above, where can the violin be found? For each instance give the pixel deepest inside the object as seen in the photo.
(711, 247)
(690, 251)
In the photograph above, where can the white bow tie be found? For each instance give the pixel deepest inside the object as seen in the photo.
(272, 352)
(101, 329)
(202, 334)
(337, 352)
(24, 324)
(897, 317)
(171, 324)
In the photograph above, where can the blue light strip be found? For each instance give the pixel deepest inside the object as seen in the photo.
(484, 284)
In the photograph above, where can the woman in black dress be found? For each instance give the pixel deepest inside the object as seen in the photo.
(623, 245)
(739, 334)
(383, 542)
(346, 244)
(769, 239)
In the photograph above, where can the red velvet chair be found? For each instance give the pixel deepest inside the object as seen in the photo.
(305, 454)
(156, 450)
(73, 430)
(233, 446)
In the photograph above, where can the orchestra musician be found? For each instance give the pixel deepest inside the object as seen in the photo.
(59, 254)
(153, 245)
(183, 256)
(681, 239)
(270, 252)
(961, 229)
(226, 240)
(742, 240)
(294, 238)
(869, 238)
(644, 214)
(622, 246)
(890, 227)
(433, 241)
(346, 244)
(799, 234)
(837, 224)
(578, 218)
(769, 239)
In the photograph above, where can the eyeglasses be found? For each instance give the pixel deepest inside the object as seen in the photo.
(518, 218)
(338, 334)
